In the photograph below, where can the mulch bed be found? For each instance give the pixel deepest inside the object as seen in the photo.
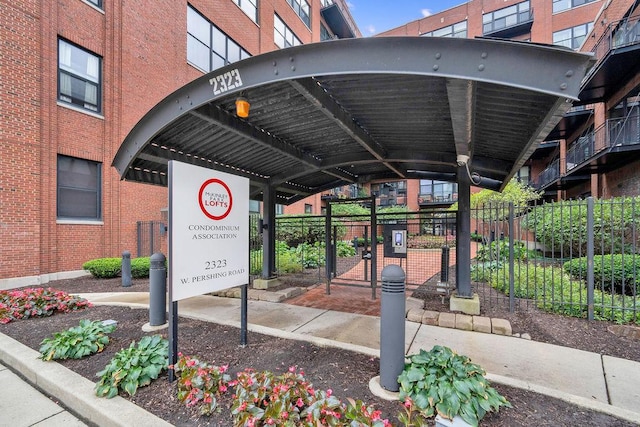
(346, 373)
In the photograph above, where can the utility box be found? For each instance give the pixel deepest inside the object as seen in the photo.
(395, 240)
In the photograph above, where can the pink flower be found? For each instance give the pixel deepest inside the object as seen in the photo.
(329, 392)
(299, 403)
(284, 415)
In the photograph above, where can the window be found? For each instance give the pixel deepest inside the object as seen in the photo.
(282, 35)
(506, 17)
(254, 206)
(209, 48)
(97, 3)
(250, 7)
(458, 30)
(79, 77)
(572, 37)
(308, 208)
(523, 175)
(437, 191)
(560, 5)
(279, 209)
(326, 3)
(302, 9)
(78, 189)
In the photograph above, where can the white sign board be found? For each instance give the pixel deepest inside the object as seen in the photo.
(208, 230)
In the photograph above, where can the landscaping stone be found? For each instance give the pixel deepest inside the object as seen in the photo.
(447, 320)
(412, 303)
(526, 336)
(290, 292)
(464, 322)
(430, 318)
(501, 327)
(415, 315)
(482, 324)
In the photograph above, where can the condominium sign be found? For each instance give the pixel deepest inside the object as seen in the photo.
(208, 230)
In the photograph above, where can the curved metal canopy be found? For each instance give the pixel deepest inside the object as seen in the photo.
(347, 111)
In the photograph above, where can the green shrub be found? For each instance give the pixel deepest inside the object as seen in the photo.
(555, 291)
(103, 268)
(498, 250)
(481, 272)
(77, 342)
(133, 367)
(442, 382)
(562, 226)
(429, 241)
(140, 267)
(294, 230)
(610, 272)
(345, 249)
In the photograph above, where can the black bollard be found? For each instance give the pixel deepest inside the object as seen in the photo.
(157, 290)
(392, 320)
(125, 269)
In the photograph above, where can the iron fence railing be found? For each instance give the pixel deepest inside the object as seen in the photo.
(550, 174)
(576, 258)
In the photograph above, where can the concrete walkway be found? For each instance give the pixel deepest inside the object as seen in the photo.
(602, 383)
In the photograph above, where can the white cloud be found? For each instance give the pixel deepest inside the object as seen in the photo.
(351, 6)
(426, 12)
(371, 29)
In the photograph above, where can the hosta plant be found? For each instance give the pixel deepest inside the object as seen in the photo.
(134, 367)
(37, 302)
(445, 383)
(76, 342)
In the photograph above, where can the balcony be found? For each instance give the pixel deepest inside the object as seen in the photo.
(609, 147)
(437, 199)
(616, 54)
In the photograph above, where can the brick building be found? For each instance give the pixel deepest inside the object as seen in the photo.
(76, 76)
(594, 150)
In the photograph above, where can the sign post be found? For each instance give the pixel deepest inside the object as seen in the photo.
(208, 236)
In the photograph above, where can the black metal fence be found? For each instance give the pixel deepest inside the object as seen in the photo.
(576, 257)
(149, 236)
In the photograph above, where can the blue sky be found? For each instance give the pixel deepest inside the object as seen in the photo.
(376, 16)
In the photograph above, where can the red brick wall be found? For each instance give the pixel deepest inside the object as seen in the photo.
(143, 47)
(20, 137)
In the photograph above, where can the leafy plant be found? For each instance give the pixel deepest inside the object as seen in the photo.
(103, 268)
(37, 302)
(562, 226)
(445, 383)
(499, 250)
(200, 382)
(76, 342)
(618, 272)
(263, 398)
(133, 367)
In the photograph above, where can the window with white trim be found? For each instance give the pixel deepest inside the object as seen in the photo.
(209, 48)
(79, 77)
(572, 37)
(282, 35)
(458, 30)
(303, 9)
(97, 3)
(250, 7)
(560, 5)
(78, 189)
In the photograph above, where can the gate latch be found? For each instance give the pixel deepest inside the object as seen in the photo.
(366, 255)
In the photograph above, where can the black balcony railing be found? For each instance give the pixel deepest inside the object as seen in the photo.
(550, 174)
(624, 131)
(618, 34)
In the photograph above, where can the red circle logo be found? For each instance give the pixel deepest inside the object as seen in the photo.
(215, 199)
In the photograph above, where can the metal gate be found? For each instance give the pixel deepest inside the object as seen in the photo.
(427, 233)
(149, 237)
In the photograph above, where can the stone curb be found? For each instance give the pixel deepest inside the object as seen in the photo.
(461, 321)
(73, 390)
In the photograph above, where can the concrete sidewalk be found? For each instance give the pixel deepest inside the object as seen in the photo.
(602, 383)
